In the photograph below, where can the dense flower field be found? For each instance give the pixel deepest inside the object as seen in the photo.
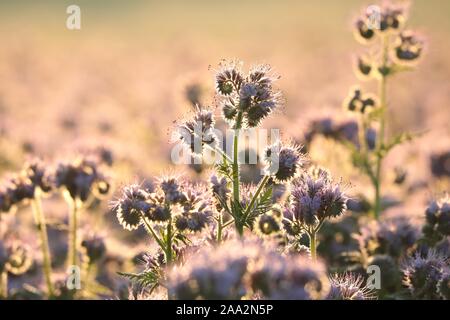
(241, 211)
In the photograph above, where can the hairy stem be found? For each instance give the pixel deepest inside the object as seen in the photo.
(239, 224)
(313, 244)
(169, 250)
(41, 226)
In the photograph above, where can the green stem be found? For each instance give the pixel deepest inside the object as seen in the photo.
(153, 233)
(313, 244)
(236, 195)
(380, 141)
(219, 227)
(73, 230)
(41, 226)
(4, 284)
(169, 250)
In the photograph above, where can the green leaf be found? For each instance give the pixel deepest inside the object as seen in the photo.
(399, 139)
(262, 205)
(145, 279)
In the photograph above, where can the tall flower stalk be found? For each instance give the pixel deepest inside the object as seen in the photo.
(314, 199)
(383, 28)
(41, 226)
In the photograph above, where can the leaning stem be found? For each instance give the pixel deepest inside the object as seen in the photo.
(73, 229)
(41, 226)
(4, 284)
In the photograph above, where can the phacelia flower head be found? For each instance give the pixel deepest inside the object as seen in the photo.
(38, 174)
(82, 178)
(5, 200)
(362, 31)
(197, 131)
(443, 286)
(172, 190)
(283, 161)
(349, 287)
(220, 190)
(132, 204)
(364, 67)
(379, 19)
(251, 96)
(241, 268)
(408, 47)
(195, 212)
(356, 101)
(315, 197)
(267, 224)
(422, 274)
(19, 257)
(94, 247)
(437, 218)
(392, 17)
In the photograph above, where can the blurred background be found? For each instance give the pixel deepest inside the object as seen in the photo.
(136, 66)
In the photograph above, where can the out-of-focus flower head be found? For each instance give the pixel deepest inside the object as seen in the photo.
(437, 217)
(19, 257)
(379, 19)
(356, 101)
(94, 246)
(408, 47)
(364, 67)
(268, 224)
(443, 286)
(440, 164)
(422, 274)
(244, 268)
(394, 237)
(82, 178)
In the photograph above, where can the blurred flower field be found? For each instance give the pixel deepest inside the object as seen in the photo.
(94, 206)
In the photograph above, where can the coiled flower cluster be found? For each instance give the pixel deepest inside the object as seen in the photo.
(23, 186)
(15, 257)
(81, 178)
(283, 161)
(246, 98)
(185, 204)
